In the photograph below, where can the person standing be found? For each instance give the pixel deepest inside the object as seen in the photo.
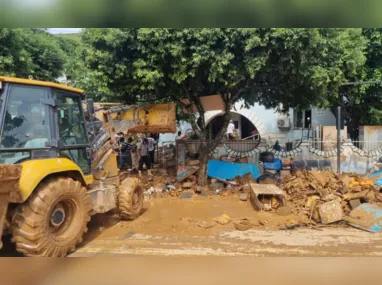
(117, 147)
(230, 130)
(144, 156)
(151, 147)
(126, 154)
(134, 154)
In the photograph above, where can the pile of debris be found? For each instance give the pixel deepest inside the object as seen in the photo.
(164, 186)
(327, 197)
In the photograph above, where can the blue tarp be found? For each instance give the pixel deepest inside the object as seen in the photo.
(276, 164)
(376, 175)
(229, 170)
(367, 217)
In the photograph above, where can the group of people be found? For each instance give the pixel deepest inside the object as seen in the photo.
(135, 151)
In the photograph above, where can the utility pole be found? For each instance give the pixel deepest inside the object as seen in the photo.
(338, 140)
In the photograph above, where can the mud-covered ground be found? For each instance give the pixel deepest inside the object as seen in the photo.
(185, 227)
(177, 227)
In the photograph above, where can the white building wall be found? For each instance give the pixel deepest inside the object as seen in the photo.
(266, 119)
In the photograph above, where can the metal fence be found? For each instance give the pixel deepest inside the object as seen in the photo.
(327, 145)
(252, 148)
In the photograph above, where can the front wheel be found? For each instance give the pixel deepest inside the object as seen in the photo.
(53, 220)
(130, 199)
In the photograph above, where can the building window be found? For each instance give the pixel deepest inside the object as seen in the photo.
(308, 119)
(302, 119)
(299, 119)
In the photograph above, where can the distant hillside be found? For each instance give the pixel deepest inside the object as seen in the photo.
(74, 36)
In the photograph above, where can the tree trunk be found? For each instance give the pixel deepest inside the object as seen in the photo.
(203, 158)
(206, 146)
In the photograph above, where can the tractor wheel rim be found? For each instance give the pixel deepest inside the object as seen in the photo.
(58, 216)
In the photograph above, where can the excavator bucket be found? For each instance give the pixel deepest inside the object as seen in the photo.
(9, 180)
(161, 118)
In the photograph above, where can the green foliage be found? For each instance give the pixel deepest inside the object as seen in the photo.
(362, 103)
(309, 64)
(295, 67)
(30, 52)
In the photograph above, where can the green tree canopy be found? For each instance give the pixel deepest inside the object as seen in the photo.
(293, 67)
(30, 52)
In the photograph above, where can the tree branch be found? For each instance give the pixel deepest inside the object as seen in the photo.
(226, 119)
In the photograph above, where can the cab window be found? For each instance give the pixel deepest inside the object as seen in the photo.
(26, 121)
(72, 131)
(71, 125)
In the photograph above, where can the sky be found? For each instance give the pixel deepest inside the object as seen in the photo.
(64, 30)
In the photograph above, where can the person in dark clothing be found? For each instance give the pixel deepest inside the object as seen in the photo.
(117, 147)
(277, 146)
(126, 154)
(145, 157)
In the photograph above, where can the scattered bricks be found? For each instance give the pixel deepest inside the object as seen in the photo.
(244, 196)
(331, 212)
(354, 203)
(188, 184)
(243, 225)
(284, 211)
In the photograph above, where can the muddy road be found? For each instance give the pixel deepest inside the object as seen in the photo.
(178, 228)
(185, 227)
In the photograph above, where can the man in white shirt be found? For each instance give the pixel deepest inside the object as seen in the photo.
(151, 147)
(230, 130)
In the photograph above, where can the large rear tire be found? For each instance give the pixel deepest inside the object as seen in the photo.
(53, 220)
(130, 199)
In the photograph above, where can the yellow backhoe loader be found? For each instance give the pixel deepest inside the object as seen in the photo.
(57, 164)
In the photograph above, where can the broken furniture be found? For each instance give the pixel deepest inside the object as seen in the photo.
(273, 196)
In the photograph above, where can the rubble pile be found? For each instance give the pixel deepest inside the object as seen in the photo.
(326, 197)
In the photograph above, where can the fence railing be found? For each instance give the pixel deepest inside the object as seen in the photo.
(243, 148)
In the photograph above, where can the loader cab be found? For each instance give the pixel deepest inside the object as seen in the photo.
(41, 120)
